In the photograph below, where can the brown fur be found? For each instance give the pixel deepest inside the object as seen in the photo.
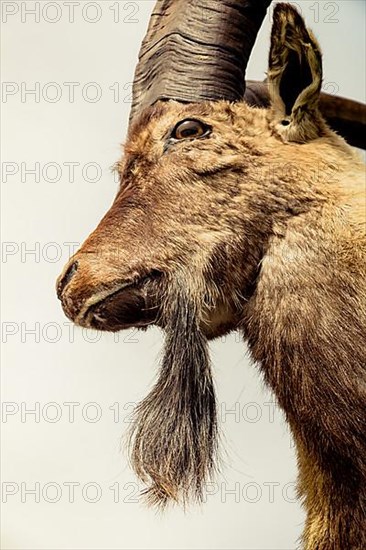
(264, 226)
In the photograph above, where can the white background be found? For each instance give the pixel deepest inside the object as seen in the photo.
(252, 504)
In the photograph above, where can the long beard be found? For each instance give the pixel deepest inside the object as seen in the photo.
(174, 437)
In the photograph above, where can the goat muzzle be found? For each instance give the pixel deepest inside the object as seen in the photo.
(113, 306)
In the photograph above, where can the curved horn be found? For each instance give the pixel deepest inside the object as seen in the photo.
(196, 50)
(345, 116)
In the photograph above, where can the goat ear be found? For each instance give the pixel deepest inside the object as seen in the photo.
(294, 76)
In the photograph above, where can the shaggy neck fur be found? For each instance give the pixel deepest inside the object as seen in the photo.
(306, 327)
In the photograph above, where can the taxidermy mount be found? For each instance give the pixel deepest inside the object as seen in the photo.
(220, 182)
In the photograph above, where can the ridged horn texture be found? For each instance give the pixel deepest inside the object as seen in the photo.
(196, 50)
(345, 116)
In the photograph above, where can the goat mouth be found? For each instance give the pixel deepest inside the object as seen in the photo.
(134, 304)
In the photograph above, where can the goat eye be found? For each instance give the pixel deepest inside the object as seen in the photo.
(190, 128)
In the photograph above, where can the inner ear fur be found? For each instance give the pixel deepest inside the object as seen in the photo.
(295, 74)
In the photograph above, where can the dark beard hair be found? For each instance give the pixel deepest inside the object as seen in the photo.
(174, 435)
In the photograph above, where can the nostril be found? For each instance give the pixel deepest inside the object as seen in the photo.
(66, 279)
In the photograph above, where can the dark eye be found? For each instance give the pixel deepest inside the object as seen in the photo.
(190, 128)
